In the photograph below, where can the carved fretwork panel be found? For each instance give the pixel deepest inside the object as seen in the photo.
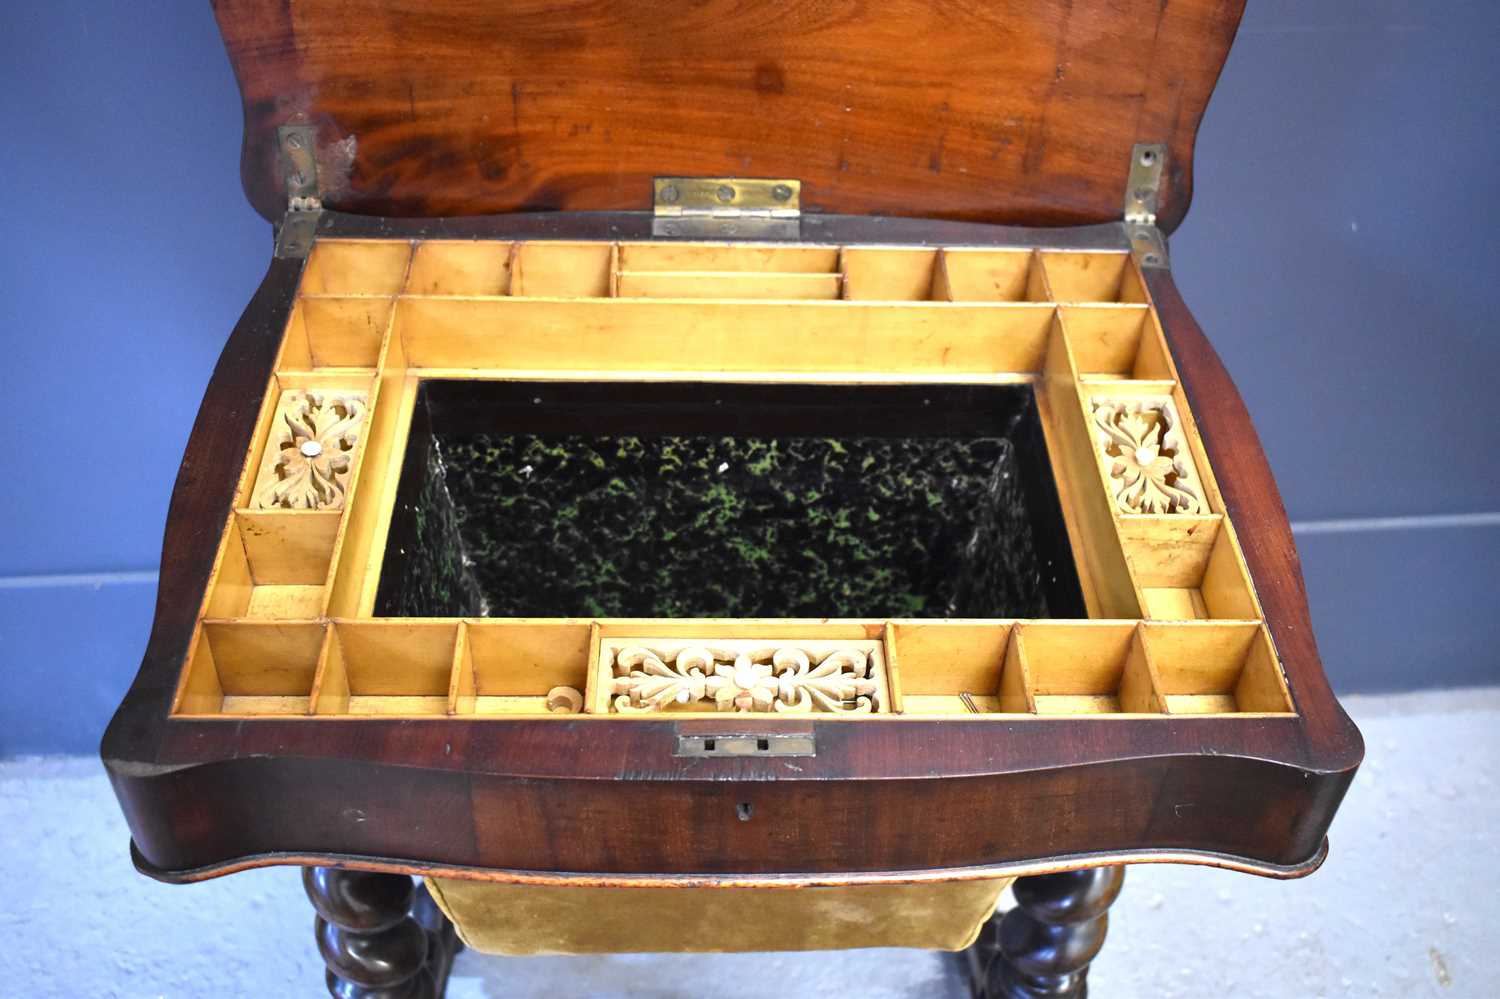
(753, 675)
(1145, 456)
(311, 450)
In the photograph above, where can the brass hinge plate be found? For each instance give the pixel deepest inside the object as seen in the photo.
(727, 207)
(1147, 244)
(1148, 162)
(299, 161)
(299, 171)
(298, 229)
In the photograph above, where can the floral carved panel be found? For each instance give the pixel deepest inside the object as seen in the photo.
(1145, 456)
(311, 450)
(640, 675)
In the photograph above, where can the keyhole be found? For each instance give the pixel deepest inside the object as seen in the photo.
(743, 811)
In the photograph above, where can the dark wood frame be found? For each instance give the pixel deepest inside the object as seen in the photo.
(524, 800)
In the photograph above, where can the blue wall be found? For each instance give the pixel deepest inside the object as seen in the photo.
(1340, 252)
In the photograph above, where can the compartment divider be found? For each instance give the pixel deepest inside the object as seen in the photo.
(732, 285)
(622, 335)
(1038, 284)
(942, 290)
(1017, 689)
(769, 272)
(388, 419)
(357, 574)
(892, 669)
(330, 689)
(1103, 567)
(595, 697)
(461, 684)
(1140, 685)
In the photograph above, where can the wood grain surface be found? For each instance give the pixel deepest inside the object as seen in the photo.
(1018, 111)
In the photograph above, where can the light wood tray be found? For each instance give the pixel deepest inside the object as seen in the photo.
(287, 625)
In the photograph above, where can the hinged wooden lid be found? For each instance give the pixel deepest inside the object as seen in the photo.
(1017, 111)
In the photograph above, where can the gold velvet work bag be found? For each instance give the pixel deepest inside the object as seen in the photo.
(522, 920)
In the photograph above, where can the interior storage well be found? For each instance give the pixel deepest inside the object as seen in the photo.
(725, 500)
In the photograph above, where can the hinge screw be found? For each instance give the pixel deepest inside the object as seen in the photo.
(726, 193)
(781, 192)
(1148, 157)
(669, 194)
(294, 140)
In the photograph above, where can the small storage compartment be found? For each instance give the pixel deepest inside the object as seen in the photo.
(452, 267)
(667, 270)
(990, 276)
(251, 668)
(1187, 567)
(275, 564)
(335, 332)
(1216, 668)
(521, 668)
(356, 267)
(1074, 276)
(1110, 343)
(1085, 668)
(386, 668)
(1073, 668)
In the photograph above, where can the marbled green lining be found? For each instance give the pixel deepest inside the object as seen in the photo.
(717, 526)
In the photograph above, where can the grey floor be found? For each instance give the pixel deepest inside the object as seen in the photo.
(1405, 906)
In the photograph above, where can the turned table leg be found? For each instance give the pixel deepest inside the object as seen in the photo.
(381, 935)
(1042, 947)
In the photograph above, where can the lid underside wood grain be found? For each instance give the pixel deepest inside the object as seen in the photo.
(1017, 111)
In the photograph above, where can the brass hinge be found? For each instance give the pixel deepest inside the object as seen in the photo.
(299, 161)
(298, 230)
(299, 171)
(1148, 161)
(727, 207)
